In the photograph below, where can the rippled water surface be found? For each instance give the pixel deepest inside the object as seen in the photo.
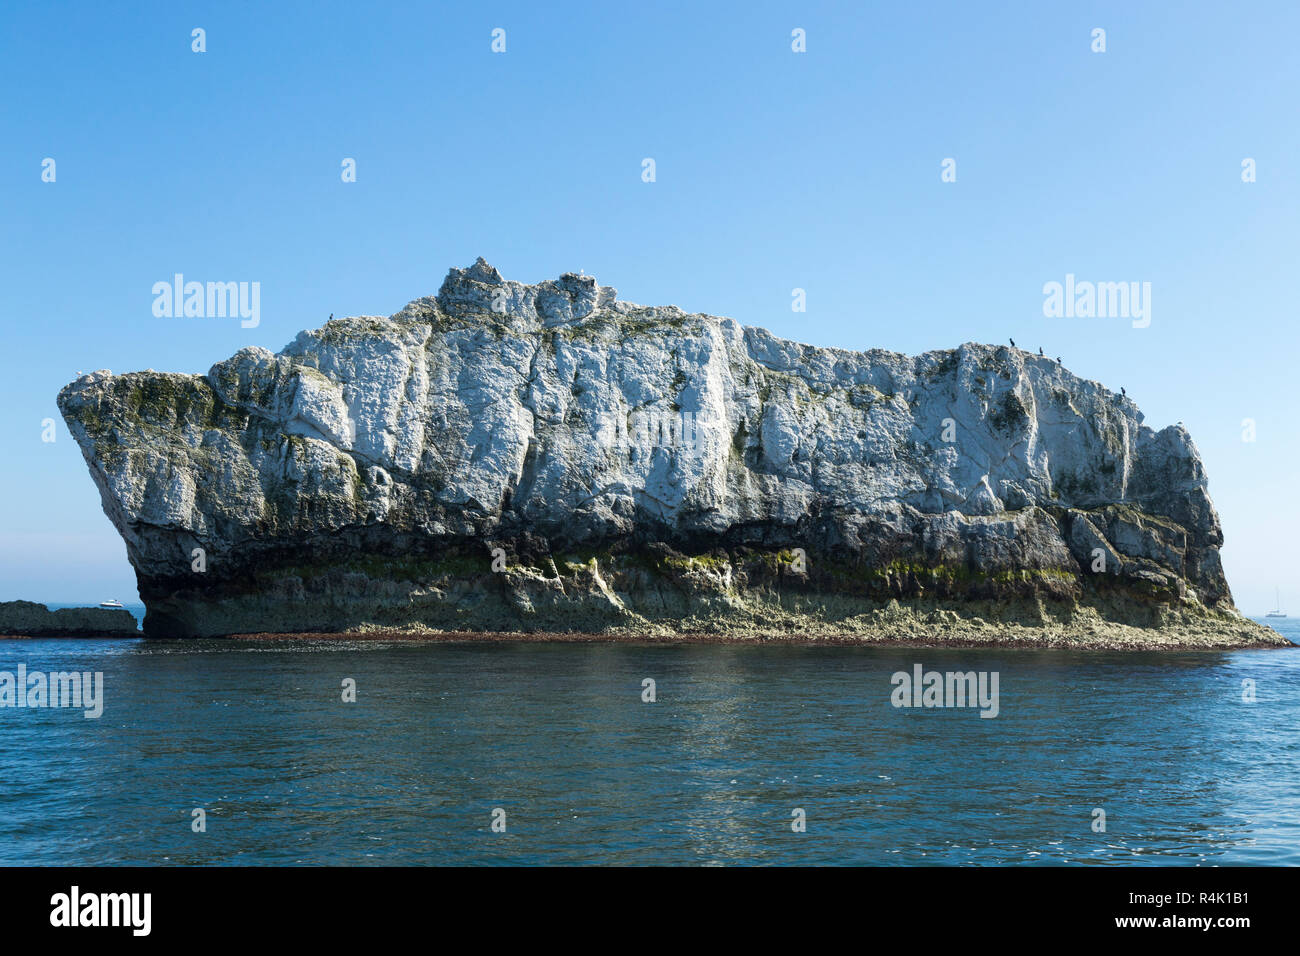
(558, 737)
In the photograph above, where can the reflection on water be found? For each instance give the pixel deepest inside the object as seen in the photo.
(558, 736)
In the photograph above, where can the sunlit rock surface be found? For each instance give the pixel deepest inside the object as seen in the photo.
(647, 471)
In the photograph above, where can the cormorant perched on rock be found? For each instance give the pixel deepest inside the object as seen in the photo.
(1058, 360)
(1040, 350)
(1122, 392)
(1013, 343)
(331, 316)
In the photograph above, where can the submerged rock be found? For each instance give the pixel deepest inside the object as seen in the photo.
(29, 619)
(513, 457)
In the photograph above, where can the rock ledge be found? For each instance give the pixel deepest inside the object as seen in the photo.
(29, 619)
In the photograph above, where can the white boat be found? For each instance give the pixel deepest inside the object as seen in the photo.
(1277, 611)
(114, 602)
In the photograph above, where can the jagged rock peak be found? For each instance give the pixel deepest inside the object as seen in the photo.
(482, 289)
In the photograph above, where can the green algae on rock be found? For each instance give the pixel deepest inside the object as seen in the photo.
(545, 458)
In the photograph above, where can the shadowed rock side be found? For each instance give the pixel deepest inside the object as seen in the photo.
(647, 471)
(29, 619)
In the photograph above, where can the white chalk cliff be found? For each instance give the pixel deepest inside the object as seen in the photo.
(641, 469)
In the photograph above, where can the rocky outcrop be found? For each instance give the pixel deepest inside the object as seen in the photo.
(29, 619)
(546, 457)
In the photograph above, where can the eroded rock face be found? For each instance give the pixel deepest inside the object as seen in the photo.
(637, 467)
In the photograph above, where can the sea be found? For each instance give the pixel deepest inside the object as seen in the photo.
(341, 752)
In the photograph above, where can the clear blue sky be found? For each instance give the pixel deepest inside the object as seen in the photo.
(775, 170)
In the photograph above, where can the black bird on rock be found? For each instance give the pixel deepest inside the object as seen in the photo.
(1122, 392)
(1013, 343)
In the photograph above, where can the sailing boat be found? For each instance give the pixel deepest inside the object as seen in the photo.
(1277, 611)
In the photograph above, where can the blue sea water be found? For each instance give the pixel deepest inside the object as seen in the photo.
(557, 736)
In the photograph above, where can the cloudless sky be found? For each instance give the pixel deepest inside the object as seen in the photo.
(775, 170)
